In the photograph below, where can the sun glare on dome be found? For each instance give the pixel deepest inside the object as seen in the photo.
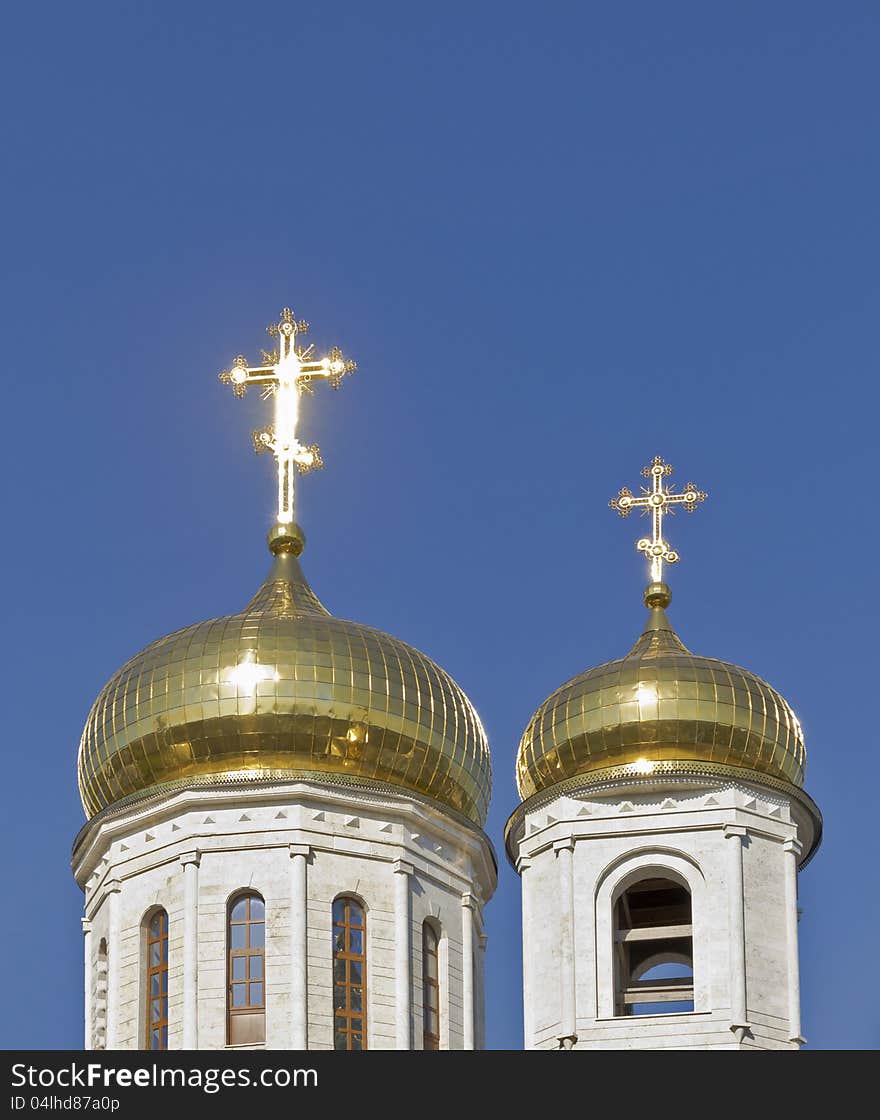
(248, 674)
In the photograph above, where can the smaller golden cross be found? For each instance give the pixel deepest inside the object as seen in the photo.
(287, 373)
(657, 501)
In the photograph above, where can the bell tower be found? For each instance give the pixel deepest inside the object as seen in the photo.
(662, 826)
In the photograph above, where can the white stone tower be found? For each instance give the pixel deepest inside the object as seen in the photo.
(284, 847)
(662, 826)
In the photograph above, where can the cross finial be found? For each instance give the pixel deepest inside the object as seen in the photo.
(657, 501)
(287, 372)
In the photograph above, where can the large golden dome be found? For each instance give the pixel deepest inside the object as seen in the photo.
(658, 707)
(283, 690)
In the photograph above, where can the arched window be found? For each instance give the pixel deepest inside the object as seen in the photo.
(430, 988)
(654, 952)
(245, 970)
(349, 975)
(156, 1024)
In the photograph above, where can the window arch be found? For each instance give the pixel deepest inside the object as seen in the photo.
(430, 987)
(156, 974)
(349, 974)
(246, 969)
(653, 948)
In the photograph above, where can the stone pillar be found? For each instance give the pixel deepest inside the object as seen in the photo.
(567, 1018)
(87, 961)
(114, 928)
(467, 968)
(190, 864)
(735, 835)
(480, 1043)
(792, 850)
(522, 865)
(299, 947)
(402, 955)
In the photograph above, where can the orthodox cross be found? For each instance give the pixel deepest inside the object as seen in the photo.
(287, 373)
(657, 501)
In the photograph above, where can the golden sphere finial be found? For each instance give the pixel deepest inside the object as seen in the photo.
(286, 536)
(657, 595)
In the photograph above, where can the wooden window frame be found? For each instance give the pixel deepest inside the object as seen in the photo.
(246, 1023)
(349, 1021)
(160, 972)
(430, 986)
(670, 938)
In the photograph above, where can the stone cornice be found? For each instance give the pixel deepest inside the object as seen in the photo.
(365, 788)
(695, 775)
(421, 814)
(378, 829)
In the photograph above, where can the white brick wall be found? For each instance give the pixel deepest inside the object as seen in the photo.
(354, 839)
(657, 825)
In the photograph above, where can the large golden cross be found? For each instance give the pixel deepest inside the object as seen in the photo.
(288, 372)
(657, 501)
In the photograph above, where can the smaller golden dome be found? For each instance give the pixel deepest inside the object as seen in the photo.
(660, 703)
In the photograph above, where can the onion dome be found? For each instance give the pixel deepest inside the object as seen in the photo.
(280, 691)
(660, 709)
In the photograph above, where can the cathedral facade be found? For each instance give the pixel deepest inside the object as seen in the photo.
(285, 843)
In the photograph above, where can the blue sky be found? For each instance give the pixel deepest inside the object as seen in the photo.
(558, 239)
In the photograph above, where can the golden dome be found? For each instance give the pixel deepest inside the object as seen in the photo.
(660, 704)
(283, 690)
